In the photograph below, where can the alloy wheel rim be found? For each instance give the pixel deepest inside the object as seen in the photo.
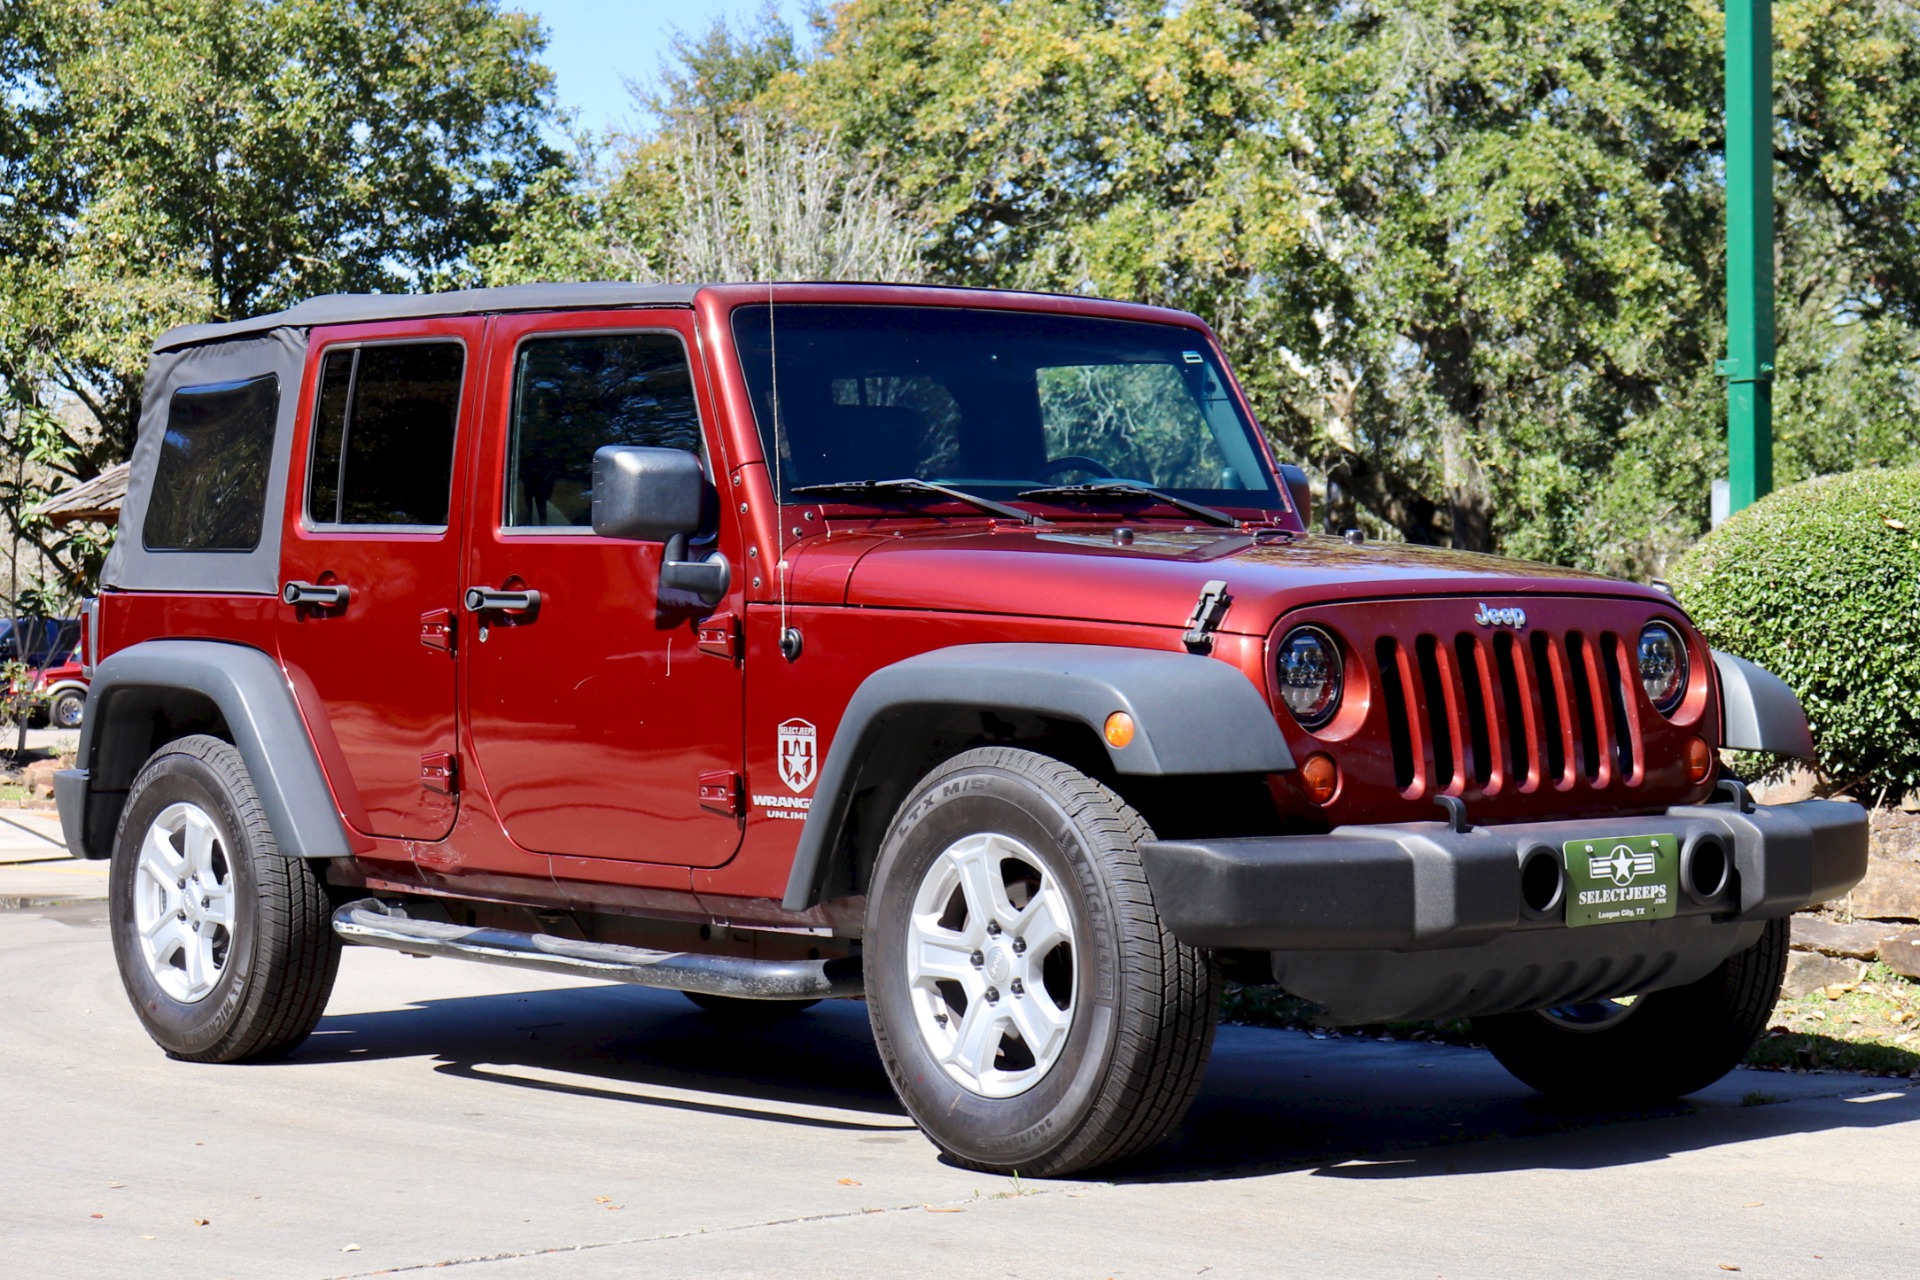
(183, 902)
(1591, 1015)
(990, 965)
(68, 713)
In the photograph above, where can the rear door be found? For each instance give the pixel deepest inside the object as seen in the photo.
(369, 566)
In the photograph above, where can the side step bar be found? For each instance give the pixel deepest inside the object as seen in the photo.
(371, 923)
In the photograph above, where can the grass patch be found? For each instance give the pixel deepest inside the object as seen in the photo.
(1871, 1027)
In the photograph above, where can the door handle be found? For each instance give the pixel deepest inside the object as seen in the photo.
(490, 600)
(330, 597)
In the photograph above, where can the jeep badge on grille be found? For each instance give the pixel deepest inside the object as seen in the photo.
(1515, 618)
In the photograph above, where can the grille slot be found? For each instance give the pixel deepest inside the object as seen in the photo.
(1439, 724)
(1518, 715)
(1490, 713)
(1586, 726)
(1626, 745)
(1393, 693)
(1480, 711)
(1551, 689)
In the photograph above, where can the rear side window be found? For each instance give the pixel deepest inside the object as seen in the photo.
(210, 484)
(571, 395)
(383, 435)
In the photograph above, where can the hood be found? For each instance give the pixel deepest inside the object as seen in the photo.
(1155, 579)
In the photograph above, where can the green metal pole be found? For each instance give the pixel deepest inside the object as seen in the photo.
(1748, 367)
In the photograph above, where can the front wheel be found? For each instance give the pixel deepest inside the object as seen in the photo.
(1032, 1011)
(1647, 1049)
(226, 946)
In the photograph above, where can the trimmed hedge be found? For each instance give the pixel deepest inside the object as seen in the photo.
(1820, 584)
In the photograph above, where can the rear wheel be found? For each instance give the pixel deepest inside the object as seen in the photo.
(1649, 1048)
(1032, 1011)
(225, 945)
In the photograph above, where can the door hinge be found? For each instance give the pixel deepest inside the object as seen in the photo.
(436, 629)
(720, 792)
(720, 636)
(438, 772)
(1207, 612)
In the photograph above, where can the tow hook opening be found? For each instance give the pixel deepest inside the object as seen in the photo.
(1542, 883)
(1705, 869)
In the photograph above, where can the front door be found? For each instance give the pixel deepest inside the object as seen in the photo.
(599, 726)
(370, 566)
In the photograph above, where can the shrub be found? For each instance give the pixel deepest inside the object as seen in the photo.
(1820, 584)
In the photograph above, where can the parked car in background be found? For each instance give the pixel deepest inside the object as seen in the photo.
(62, 692)
(50, 641)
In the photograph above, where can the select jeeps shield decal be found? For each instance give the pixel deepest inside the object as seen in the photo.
(799, 754)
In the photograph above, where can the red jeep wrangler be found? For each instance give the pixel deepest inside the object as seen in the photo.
(963, 651)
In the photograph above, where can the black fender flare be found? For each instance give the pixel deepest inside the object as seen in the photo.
(1758, 711)
(1192, 715)
(254, 699)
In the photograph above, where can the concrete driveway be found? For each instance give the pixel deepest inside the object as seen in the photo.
(500, 1124)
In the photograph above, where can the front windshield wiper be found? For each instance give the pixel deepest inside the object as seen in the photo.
(869, 488)
(1128, 489)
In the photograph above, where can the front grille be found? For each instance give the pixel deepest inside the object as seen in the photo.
(1487, 713)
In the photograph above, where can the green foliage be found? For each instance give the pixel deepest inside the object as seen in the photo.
(175, 161)
(1820, 584)
(1466, 254)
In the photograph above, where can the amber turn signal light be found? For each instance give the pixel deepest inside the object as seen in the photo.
(1320, 776)
(1119, 729)
(1699, 760)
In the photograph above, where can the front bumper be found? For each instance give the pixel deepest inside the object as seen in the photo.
(1419, 920)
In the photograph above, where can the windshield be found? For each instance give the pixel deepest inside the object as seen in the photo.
(995, 401)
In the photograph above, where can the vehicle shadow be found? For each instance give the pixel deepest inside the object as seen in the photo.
(633, 1045)
(1272, 1100)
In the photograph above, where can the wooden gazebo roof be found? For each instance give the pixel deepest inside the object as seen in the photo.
(98, 499)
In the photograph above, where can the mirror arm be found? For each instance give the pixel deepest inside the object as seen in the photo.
(707, 579)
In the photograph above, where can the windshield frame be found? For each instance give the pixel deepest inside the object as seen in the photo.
(1268, 501)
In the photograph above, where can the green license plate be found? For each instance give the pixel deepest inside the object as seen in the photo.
(1622, 878)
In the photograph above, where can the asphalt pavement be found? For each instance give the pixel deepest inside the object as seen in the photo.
(495, 1123)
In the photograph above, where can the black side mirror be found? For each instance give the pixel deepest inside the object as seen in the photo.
(657, 495)
(647, 494)
(1298, 488)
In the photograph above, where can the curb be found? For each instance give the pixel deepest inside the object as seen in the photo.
(30, 904)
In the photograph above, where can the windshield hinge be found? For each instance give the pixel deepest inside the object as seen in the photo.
(720, 636)
(1207, 612)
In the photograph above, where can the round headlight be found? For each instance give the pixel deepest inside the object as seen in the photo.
(1663, 666)
(1310, 676)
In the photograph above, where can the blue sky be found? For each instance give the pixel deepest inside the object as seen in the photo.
(592, 44)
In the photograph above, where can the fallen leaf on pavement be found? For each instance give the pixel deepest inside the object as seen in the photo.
(1728, 1266)
(931, 1209)
(349, 1248)
(96, 1215)
(200, 1222)
(849, 1182)
(603, 1199)
(1753, 1204)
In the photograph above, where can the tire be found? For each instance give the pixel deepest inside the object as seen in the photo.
(1663, 1045)
(68, 709)
(1097, 1050)
(245, 974)
(739, 1012)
